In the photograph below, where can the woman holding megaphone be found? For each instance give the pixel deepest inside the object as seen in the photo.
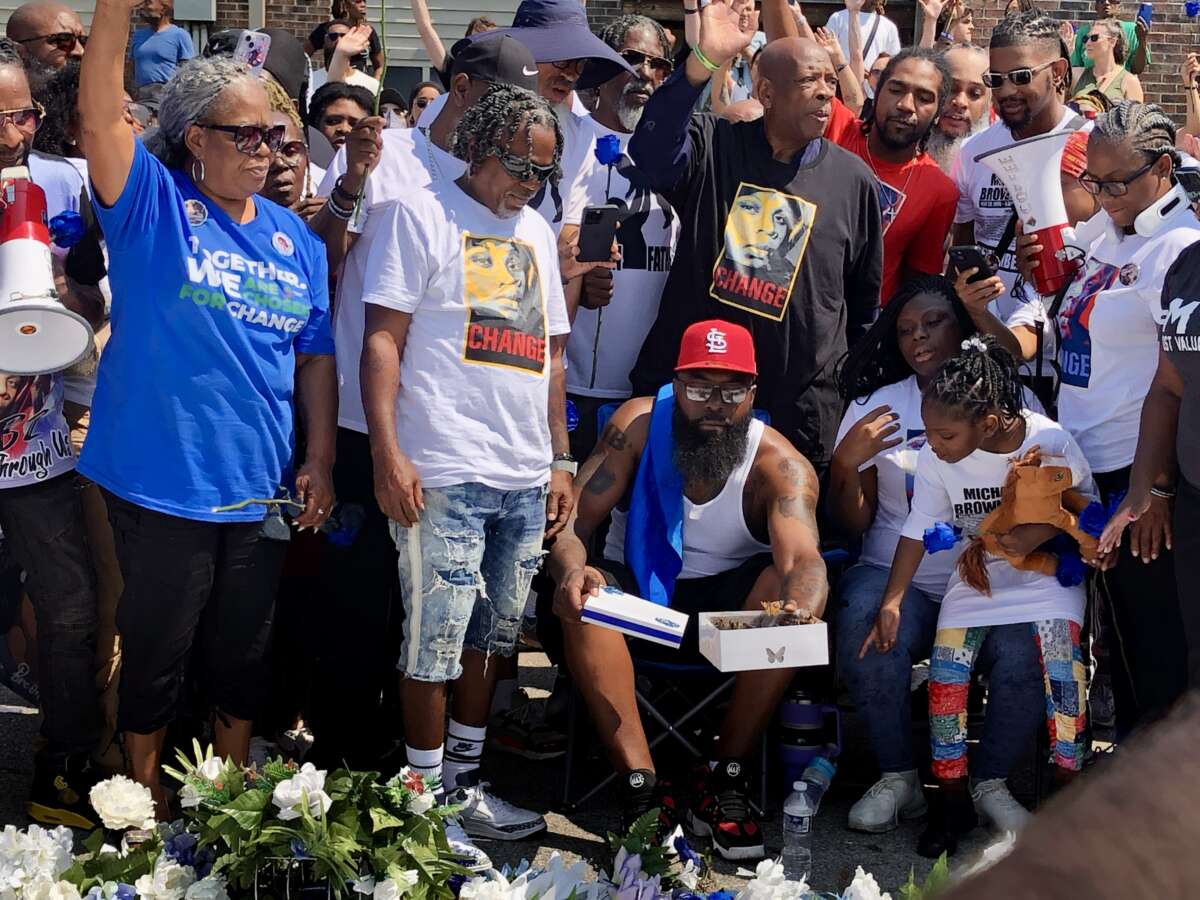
(220, 320)
(1106, 324)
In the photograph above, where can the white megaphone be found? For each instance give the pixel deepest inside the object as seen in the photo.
(37, 333)
(1030, 170)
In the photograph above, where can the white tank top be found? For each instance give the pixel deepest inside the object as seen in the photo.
(715, 535)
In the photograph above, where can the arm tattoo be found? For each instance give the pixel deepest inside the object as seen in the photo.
(602, 479)
(792, 471)
(615, 438)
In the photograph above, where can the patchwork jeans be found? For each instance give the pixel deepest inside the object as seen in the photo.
(465, 572)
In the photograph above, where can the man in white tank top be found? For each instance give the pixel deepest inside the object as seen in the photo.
(749, 536)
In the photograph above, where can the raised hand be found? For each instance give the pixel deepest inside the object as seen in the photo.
(354, 42)
(932, 8)
(1189, 70)
(1066, 31)
(726, 29)
(828, 40)
(869, 436)
(854, 7)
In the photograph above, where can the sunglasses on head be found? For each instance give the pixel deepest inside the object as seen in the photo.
(657, 64)
(1019, 77)
(63, 40)
(524, 169)
(27, 118)
(248, 138)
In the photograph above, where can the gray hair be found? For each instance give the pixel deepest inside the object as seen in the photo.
(614, 32)
(187, 100)
(1145, 126)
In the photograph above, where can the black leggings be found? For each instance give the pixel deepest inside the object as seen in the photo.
(189, 584)
(1187, 572)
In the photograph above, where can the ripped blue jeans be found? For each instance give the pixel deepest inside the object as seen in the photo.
(465, 572)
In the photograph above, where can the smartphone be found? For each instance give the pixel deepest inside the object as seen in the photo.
(1145, 12)
(972, 256)
(252, 50)
(1189, 180)
(597, 231)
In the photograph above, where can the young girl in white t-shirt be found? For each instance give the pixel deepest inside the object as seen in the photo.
(976, 423)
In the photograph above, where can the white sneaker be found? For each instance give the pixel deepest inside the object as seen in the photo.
(895, 796)
(996, 805)
(464, 850)
(484, 814)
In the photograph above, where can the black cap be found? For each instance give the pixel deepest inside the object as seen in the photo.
(496, 58)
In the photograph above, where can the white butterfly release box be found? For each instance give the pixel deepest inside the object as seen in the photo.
(744, 649)
(638, 618)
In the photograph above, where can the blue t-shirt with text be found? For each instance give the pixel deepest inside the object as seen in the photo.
(157, 54)
(193, 404)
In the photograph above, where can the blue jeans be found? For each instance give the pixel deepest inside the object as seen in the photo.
(880, 683)
(465, 571)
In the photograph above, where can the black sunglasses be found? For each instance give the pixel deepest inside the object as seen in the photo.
(248, 138)
(63, 40)
(1116, 187)
(524, 169)
(335, 36)
(421, 102)
(657, 64)
(1019, 77)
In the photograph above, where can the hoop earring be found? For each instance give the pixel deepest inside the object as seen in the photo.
(196, 180)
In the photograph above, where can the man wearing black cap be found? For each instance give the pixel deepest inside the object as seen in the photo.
(383, 165)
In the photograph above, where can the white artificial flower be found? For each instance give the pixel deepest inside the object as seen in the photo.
(189, 797)
(690, 876)
(364, 885)
(310, 782)
(387, 890)
(47, 889)
(122, 803)
(168, 881)
(770, 883)
(494, 886)
(558, 881)
(864, 887)
(210, 888)
(419, 804)
(211, 768)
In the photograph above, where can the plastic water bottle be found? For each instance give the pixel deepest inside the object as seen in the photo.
(816, 779)
(798, 812)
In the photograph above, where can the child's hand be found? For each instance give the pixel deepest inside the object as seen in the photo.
(1024, 539)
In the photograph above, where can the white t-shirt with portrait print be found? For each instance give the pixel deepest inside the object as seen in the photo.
(895, 471)
(1109, 336)
(485, 296)
(963, 493)
(407, 161)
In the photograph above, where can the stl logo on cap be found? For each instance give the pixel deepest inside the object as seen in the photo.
(715, 341)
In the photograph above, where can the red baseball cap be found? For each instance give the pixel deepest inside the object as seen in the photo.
(715, 344)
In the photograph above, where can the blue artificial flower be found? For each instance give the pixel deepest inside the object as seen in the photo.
(126, 891)
(1093, 519)
(203, 862)
(94, 894)
(572, 416)
(67, 228)
(686, 895)
(181, 848)
(941, 536)
(608, 149)
(455, 883)
(720, 895)
(1070, 570)
(299, 851)
(686, 853)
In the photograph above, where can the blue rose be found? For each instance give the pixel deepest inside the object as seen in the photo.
(686, 853)
(67, 229)
(126, 892)
(572, 415)
(941, 536)
(1093, 519)
(1070, 570)
(608, 149)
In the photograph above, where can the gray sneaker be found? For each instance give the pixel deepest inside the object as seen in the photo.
(995, 804)
(483, 814)
(895, 796)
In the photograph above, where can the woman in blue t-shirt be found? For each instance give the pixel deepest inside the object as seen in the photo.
(220, 320)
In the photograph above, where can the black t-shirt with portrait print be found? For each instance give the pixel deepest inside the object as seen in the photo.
(1179, 337)
(362, 62)
(792, 251)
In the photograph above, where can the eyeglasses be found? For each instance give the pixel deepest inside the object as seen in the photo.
(248, 138)
(335, 36)
(700, 392)
(524, 169)
(27, 118)
(657, 64)
(564, 64)
(1019, 77)
(1117, 187)
(63, 40)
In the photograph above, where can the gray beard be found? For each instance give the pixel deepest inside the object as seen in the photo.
(629, 115)
(943, 149)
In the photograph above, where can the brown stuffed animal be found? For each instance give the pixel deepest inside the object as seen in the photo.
(1033, 494)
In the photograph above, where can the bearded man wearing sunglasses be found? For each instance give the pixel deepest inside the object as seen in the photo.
(220, 327)
(692, 462)
(48, 34)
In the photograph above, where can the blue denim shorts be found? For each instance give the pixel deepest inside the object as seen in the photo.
(465, 572)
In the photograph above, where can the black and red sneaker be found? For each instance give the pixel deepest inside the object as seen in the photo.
(720, 810)
(642, 791)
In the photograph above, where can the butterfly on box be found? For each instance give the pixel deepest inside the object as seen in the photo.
(775, 656)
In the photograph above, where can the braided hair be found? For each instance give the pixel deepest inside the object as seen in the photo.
(935, 58)
(1145, 126)
(488, 126)
(875, 360)
(1026, 28)
(982, 380)
(614, 32)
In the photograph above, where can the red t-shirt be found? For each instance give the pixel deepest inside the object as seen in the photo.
(917, 201)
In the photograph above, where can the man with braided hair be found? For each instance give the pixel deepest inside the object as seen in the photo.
(465, 308)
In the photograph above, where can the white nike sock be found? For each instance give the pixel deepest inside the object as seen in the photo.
(464, 746)
(427, 763)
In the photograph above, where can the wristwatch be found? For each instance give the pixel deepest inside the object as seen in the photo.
(564, 462)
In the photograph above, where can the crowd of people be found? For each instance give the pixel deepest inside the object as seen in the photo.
(393, 344)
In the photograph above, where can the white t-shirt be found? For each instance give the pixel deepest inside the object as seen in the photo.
(578, 139)
(600, 367)
(887, 36)
(895, 469)
(404, 165)
(1109, 349)
(485, 296)
(963, 493)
